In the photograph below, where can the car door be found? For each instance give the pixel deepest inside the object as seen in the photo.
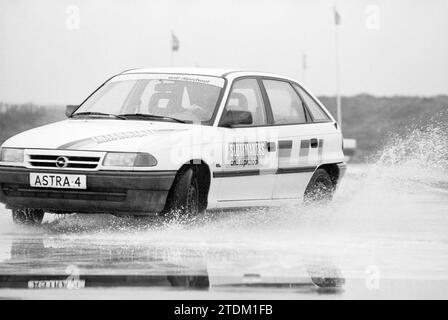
(249, 158)
(298, 143)
(323, 129)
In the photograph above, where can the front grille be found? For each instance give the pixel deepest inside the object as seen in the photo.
(63, 162)
(98, 194)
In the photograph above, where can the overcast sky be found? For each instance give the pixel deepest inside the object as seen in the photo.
(47, 55)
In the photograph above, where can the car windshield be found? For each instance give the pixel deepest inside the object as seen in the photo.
(162, 97)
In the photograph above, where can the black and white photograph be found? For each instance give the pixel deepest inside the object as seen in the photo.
(234, 152)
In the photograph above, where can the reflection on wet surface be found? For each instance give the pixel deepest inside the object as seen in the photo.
(383, 236)
(116, 265)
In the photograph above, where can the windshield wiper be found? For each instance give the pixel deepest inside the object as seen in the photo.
(149, 116)
(97, 114)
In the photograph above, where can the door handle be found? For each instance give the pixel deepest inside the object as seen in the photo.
(271, 146)
(314, 143)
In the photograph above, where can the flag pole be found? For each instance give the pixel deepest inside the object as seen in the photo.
(338, 70)
(172, 49)
(304, 65)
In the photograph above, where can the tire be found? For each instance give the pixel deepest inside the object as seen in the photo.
(189, 281)
(27, 216)
(320, 189)
(184, 196)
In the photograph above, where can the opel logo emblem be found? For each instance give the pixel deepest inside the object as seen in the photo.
(61, 162)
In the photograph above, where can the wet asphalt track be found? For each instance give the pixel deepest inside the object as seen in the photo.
(384, 236)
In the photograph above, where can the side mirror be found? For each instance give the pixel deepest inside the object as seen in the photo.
(233, 118)
(69, 110)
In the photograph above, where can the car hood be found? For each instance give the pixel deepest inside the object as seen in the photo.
(96, 135)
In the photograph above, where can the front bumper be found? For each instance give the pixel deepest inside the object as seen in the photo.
(107, 192)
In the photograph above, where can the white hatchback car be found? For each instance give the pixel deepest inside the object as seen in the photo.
(152, 141)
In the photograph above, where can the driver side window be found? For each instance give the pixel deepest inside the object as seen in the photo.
(246, 96)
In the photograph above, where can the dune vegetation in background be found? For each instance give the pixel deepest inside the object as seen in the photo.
(372, 121)
(18, 118)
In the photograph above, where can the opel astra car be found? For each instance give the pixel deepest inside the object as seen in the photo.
(155, 141)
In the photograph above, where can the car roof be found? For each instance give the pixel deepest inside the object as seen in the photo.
(230, 74)
(226, 73)
(196, 71)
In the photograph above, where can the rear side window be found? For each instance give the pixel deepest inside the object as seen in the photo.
(286, 105)
(316, 111)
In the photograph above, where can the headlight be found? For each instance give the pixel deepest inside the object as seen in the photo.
(125, 159)
(11, 155)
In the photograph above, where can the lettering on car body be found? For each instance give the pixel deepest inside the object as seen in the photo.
(245, 153)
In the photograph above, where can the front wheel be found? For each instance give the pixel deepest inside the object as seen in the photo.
(184, 197)
(320, 188)
(27, 216)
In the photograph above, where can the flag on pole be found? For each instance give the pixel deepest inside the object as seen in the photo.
(174, 42)
(337, 17)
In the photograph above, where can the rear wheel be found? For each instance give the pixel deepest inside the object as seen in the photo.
(320, 188)
(184, 197)
(27, 216)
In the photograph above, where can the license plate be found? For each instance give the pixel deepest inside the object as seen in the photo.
(56, 284)
(59, 181)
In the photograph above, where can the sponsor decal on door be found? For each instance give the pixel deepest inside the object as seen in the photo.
(242, 154)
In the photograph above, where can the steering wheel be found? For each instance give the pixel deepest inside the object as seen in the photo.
(194, 108)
